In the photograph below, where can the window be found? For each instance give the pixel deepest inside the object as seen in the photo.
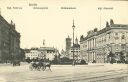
(116, 34)
(109, 36)
(123, 46)
(123, 37)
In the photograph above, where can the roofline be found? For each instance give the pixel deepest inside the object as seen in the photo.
(105, 30)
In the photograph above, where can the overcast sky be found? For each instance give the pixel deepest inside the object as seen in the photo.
(55, 24)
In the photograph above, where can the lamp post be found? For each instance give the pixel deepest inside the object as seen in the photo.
(73, 27)
(104, 54)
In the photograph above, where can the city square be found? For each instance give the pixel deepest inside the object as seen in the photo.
(65, 73)
(63, 41)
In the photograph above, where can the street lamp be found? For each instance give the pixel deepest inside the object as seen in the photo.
(73, 27)
(104, 53)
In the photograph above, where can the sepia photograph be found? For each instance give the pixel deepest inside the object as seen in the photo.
(63, 40)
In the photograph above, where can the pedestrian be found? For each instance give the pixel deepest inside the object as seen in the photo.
(73, 63)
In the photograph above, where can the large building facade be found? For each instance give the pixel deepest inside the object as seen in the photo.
(98, 44)
(42, 53)
(9, 41)
(49, 52)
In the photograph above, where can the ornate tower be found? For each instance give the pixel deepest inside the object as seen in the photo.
(68, 44)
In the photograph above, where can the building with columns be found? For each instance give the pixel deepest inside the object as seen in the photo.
(9, 41)
(99, 43)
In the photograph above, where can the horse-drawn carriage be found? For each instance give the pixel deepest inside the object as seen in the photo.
(40, 65)
(16, 62)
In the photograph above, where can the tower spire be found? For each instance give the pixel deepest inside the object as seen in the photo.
(73, 23)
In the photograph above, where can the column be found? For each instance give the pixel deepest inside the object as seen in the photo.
(88, 56)
(90, 45)
(87, 45)
(93, 42)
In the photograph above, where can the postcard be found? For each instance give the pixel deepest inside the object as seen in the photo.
(63, 40)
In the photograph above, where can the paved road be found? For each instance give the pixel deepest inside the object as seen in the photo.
(60, 73)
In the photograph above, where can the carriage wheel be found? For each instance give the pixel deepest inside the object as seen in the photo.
(30, 67)
(42, 68)
(38, 68)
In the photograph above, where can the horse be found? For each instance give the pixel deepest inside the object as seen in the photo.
(45, 65)
(34, 65)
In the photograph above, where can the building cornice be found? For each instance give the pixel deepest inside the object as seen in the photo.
(114, 26)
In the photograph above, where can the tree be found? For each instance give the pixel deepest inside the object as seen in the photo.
(28, 60)
(66, 60)
(83, 62)
(55, 61)
(94, 61)
(111, 56)
(122, 57)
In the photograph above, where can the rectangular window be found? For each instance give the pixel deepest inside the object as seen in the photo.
(109, 36)
(123, 37)
(116, 34)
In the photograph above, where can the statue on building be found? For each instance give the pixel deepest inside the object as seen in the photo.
(111, 22)
(43, 42)
(76, 41)
(81, 38)
(107, 24)
(95, 29)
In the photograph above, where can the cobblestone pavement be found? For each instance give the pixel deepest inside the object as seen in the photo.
(60, 73)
